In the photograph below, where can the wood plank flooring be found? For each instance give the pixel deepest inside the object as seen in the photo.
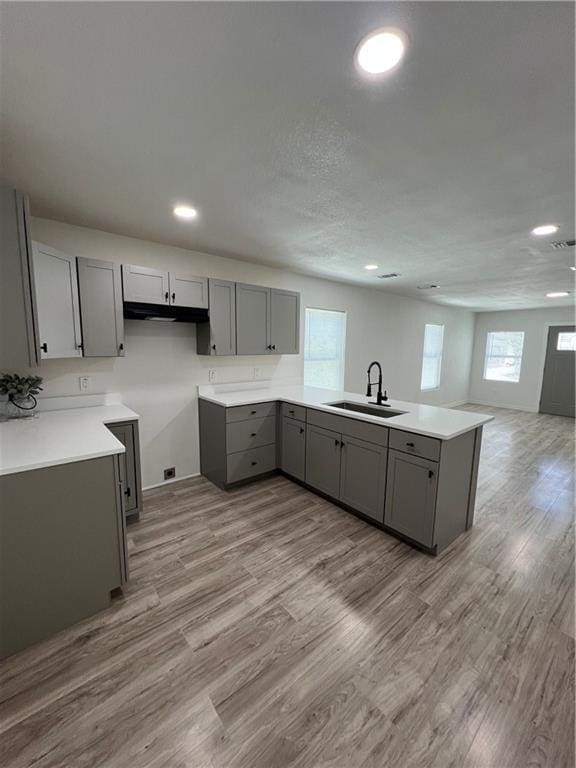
(267, 628)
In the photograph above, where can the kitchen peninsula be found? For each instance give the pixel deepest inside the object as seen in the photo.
(407, 467)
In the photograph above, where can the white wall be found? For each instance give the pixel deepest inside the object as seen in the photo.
(525, 394)
(159, 375)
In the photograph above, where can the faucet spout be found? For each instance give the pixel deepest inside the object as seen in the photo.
(380, 398)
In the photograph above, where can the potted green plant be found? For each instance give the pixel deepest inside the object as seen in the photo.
(20, 392)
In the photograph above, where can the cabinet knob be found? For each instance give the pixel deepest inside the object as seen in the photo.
(273, 346)
(253, 434)
(269, 346)
(430, 474)
(336, 442)
(252, 413)
(214, 347)
(166, 296)
(120, 347)
(301, 430)
(254, 463)
(173, 297)
(410, 445)
(44, 347)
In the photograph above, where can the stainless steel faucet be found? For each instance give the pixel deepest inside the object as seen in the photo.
(380, 398)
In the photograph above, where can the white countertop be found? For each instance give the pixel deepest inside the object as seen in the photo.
(442, 423)
(60, 437)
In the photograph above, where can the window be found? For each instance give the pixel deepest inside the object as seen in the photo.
(566, 342)
(432, 357)
(325, 339)
(503, 355)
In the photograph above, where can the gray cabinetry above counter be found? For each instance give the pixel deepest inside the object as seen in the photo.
(100, 290)
(267, 320)
(218, 335)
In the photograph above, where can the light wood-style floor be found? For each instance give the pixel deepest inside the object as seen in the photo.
(266, 628)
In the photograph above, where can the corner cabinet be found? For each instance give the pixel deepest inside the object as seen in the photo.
(267, 321)
(19, 342)
(218, 335)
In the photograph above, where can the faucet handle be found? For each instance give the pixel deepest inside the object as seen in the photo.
(369, 390)
(385, 395)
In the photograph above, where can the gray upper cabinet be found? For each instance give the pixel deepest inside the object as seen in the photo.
(293, 448)
(145, 285)
(267, 320)
(56, 283)
(100, 290)
(323, 460)
(188, 290)
(363, 476)
(252, 319)
(284, 322)
(218, 336)
(411, 496)
(19, 342)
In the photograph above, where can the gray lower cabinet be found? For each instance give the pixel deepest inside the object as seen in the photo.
(218, 336)
(238, 443)
(62, 549)
(293, 448)
(363, 476)
(19, 342)
(323, 460)
(100, 291)
(411, 496)
(129, 463)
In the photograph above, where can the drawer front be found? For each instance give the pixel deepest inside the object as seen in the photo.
(244, 435)
(294, 411)
(256, 411)
(417, 445)
(245, 464)
(363, 430)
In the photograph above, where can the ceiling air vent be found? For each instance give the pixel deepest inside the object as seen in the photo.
(387, 276)
(563, 244)
(427, 287)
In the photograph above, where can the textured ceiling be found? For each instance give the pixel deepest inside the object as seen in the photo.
(112, 112)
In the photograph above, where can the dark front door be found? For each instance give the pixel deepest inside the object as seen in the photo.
(558, 381)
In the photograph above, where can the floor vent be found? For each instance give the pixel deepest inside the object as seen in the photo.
(390, 274)
(563, 244)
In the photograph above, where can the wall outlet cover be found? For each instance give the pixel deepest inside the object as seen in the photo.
(169, 473)
(85, 383)
(212, 376)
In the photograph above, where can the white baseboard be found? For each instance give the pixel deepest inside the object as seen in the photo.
(169, 482)
(509, 406)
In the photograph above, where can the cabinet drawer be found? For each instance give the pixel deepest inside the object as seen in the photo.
(244, 435)
(294, 411)
(256, 411)
(363, 430)
(418, 445)
(240, 466)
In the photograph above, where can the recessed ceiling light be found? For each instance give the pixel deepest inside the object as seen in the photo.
(185, 212)
(381, 50)
(573, 269)
(557, 294)
(371, 266)
(545, 229)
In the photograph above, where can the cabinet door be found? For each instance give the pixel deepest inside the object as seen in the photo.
(293, 448)
(128, 465)
(100, 289)
(19, 343)
(148, 286)
(56, 283)
(188, 290)
(222, 324)
(411, 496)
(363, 476)
(323, 460)
(284, 322)
(252, 319)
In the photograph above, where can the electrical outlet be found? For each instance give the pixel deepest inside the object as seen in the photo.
(85, 383)
(212, 376)
(169, 473)
(257, 374)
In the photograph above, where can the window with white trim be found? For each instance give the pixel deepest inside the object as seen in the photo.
(324, 347)
(503, 359)
(432, 356)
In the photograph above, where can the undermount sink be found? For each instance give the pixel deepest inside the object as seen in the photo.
(382, 411)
